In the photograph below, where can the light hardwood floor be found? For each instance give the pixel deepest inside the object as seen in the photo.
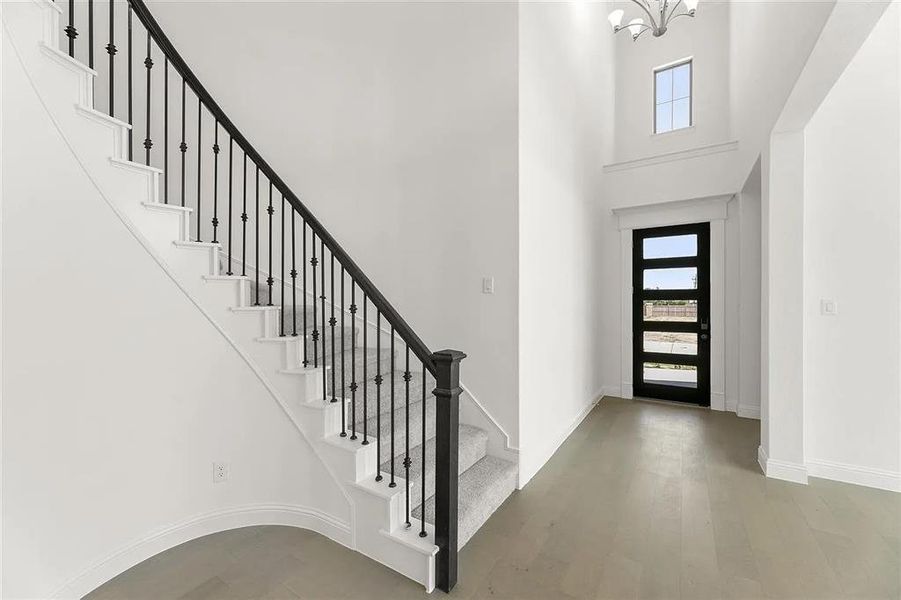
(645, 500)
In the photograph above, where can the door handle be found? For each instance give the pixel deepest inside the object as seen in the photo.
(704, 337)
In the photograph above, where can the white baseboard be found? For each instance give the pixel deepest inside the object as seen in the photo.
(611, 390)
(874, 478)
(748, 412)
(761, 459)
(199, 526)
(717, 401)
(786, 471)
(781, 469)
(823, 469)
(731, 404)
(552, 447)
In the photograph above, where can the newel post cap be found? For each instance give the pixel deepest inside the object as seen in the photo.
(448, 356)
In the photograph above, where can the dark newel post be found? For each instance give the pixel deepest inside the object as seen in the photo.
(447, 433)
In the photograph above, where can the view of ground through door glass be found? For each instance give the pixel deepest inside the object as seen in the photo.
(670, 342)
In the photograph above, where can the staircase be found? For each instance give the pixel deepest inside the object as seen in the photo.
(484, 481)
(380, 409)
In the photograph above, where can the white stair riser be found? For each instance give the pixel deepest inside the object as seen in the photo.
(381, 515)
(180, 219)
(184, 261)
(351, 464)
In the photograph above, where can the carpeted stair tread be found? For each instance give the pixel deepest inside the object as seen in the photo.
(289, 318)
(483, 488)
(373, 356)
(263, 292)
(399, 423)
(473, 447)
(400, 393)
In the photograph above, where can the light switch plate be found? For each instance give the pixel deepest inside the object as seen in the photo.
(828, 307)
(488, 285)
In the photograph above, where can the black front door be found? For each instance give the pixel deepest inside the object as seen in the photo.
(671, 313)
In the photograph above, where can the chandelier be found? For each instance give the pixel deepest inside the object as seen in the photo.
(660, 13)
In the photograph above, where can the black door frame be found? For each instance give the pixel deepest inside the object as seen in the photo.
(701, 394)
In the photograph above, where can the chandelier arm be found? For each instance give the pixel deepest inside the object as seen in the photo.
(636, 36)
(653, 24)
(625, 27)
(672, 12)
(684, 14)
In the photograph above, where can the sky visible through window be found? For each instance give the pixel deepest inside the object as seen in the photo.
(673, 101)
(671, 246)
(682, 278)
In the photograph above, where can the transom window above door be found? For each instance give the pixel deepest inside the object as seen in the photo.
(672, 97)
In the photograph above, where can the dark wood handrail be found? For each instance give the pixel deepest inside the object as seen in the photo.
(401, 327)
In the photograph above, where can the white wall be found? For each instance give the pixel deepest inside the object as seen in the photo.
(732, 302)
(743, 300)
(769, 44)
(748, 401)
(782, 336)
(565, 75)
(396, 123)
(117, 395)
(852, 255)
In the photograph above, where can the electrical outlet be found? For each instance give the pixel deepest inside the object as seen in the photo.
(488, 285)
(220, 472)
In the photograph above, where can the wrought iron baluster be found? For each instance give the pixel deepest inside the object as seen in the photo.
(378, 393)
(281, 313)
(343, 381)
(183, 147)
(165, 130)
(322, 298)
(270, 211)
(365, 381)
(231, 151)
(332, 321)
(294, 283)
(422, 532)
(244, 220)
(111, 50)
(313, 262)
(303, 295)
(391, 374)
(407, 461)
(130, 61)
(199, 157)
(70, 30)
(215, 219)
(353, 359)
(91, 35)
(148, 64)
(256, 226)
